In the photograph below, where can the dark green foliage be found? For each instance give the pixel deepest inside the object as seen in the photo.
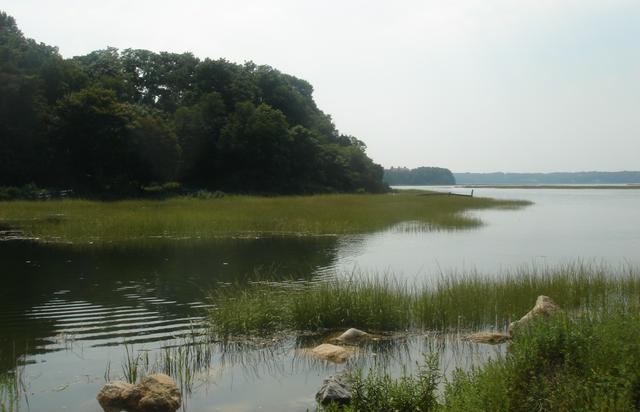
(419, 176)
(588, 364)
(113, 121)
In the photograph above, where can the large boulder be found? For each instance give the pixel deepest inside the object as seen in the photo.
(335, 389)
(544, 306)
(155, 393)
(491, 338)
(332, 353)
(351, 335)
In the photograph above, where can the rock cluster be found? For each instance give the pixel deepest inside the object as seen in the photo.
(155, 393)
(334, 352)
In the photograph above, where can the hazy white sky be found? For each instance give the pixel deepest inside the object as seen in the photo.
(487, 85)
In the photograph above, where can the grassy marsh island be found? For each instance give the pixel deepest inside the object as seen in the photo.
(84, 221)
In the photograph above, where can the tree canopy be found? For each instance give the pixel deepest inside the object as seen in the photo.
(115, 120)
(419, 176)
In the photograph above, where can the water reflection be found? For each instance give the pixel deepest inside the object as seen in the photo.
(53, 294)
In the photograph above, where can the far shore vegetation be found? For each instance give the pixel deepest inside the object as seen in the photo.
(83, 221)
(559, 186)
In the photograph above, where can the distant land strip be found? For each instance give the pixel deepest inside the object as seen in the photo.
(553, 178)
(559, 186)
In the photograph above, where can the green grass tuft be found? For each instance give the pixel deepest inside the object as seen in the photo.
(456, 303)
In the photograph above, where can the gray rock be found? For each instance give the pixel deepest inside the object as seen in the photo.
(544, 306)
(336, 388)
(155, 393)
(351, 335)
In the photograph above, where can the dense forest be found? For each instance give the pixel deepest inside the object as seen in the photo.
(114, 121)
(419, 176)
(500, 178)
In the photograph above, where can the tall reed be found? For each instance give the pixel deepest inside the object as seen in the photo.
(452, 303)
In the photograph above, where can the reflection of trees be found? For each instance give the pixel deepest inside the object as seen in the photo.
(110, 277)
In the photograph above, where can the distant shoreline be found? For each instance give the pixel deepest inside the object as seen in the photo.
(558, 186)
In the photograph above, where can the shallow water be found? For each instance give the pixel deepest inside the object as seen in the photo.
(65, 314)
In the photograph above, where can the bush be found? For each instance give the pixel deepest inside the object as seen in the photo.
(589, 364)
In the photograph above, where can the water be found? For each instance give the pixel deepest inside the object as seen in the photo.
(66, 314)
(562, 226)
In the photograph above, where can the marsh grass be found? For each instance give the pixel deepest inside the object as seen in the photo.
(450, 304)
(268, 307)
(588, 362)
(135, 364)
(84, 222)
(184, 361)
(380, 392)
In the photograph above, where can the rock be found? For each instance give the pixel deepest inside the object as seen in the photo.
(332, 353)
(351, 335)
(492, 338)
(336, 389)
(544, 306)
(117, 396)
(155, 393)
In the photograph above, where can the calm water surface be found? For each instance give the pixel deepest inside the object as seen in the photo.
(562, 226)
(66, 314)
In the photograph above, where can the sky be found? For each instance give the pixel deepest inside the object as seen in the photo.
(474, 86)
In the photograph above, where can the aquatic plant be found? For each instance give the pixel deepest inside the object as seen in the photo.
(380, 392)
(183, 361)
(12, 390)
(135, 364)
(452, 303)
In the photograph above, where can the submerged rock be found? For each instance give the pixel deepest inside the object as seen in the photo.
(332, 353)
(544, 306)
(492, 338)
(351, 335)
(155, 393)
(336, 389)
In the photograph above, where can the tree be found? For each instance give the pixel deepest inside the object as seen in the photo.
(92, 140)
(115, 120)
(198, 130)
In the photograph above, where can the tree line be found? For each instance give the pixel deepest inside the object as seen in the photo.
(419, 176)
(113, 121)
